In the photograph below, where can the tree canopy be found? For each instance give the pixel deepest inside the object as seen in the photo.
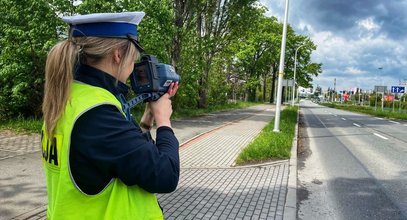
(221, 48)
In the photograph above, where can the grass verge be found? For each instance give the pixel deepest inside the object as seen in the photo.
(22, 125)
(368, 110)
(270, 145)
(32, 125)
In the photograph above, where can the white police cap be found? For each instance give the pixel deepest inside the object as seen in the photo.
(120, 25)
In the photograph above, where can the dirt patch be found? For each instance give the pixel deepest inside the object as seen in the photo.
(303, 151)
(248, 163)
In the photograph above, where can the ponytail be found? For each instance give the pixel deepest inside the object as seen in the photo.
(58, 78)
(60, 65)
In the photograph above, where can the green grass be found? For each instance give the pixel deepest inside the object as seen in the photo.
(32, 125)
(22, 125)
(271, 145)
(368, 110)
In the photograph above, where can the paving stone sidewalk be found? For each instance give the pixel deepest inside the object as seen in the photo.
(210, 187)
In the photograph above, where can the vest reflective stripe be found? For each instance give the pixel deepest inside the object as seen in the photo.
(65, 200)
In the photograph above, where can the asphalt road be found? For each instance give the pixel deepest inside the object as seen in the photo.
(355, 168)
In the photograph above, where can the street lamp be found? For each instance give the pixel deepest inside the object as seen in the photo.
(281, 71)
(295, 69)
(380, 68)
(377, 91)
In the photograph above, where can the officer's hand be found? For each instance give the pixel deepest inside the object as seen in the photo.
(162, 110)
(147, 119)
(173, 89)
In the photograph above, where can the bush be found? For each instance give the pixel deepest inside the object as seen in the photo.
(26, 34)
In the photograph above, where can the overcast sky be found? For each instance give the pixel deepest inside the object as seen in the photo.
(354, 38)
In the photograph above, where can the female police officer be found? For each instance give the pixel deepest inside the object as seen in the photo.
(98, 165)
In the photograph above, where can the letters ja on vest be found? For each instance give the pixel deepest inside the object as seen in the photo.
(65, 200)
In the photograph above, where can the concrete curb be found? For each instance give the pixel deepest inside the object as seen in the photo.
(290, 207)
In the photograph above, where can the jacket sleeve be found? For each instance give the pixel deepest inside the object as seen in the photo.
(104, 145)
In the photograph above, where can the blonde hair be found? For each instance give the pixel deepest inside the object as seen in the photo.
(60, 64)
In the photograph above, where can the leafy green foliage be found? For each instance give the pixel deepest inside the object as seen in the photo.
(28, 30)
(208, 41)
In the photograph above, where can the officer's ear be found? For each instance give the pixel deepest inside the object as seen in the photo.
(117, 56)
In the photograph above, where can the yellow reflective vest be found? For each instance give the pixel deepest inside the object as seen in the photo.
(65, 199)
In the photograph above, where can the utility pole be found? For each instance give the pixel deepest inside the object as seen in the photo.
(295, 70)
(334, 90)
(381, 68)
(281, 72)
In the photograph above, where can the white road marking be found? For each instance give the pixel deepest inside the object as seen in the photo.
(395, 122)
(378, 118)
(380, 136)
(357, 125)
(405, 125)
(344, 119)
(336, 115)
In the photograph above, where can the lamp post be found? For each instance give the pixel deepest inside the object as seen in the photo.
(380, 68)
(377, 91)
(281, 71)
(295, 69)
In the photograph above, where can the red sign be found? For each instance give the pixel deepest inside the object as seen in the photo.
(345, 97)
(388, 98)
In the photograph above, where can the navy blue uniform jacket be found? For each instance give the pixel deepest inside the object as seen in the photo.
(104, 145)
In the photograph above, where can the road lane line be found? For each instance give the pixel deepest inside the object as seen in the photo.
(336, 115)
(395, 122)
(378, 118)
(344, 119)
(357, 125)
(405, 125)
(380, 136)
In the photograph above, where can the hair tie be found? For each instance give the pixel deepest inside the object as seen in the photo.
(79, 47)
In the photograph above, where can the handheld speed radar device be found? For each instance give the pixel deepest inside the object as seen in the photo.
(149, 80)
(152, 77)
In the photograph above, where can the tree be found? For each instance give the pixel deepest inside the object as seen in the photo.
(255, 50)
(28, 29)
(218, 22)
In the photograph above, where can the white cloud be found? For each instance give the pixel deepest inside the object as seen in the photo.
(354, 70)
(352, 42)
(368, 24)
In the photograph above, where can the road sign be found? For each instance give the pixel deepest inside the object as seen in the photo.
(380, 88)
(398, 89)
(288, 82)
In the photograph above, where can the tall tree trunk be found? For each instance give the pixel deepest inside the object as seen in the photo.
(273, 86)
(264, 87)
(203, 87)
(179, 8)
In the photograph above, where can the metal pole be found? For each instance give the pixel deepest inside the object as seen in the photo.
(295, 70)
(281, 71)
(383, 100)
(400, 104)
(359, 97)
(394, 97)
(375, 103)
(381, 68)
